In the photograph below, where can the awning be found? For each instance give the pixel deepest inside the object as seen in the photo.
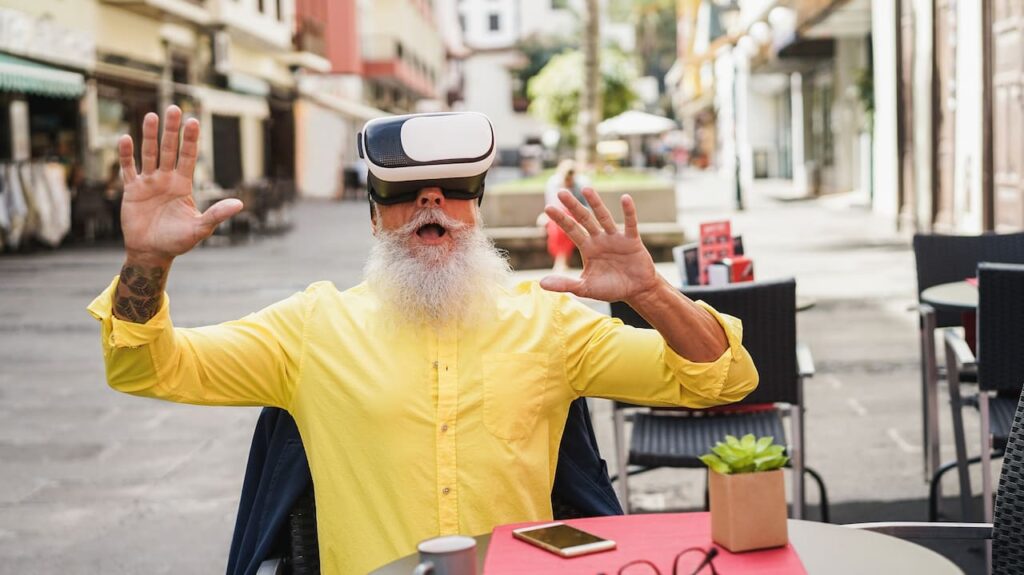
(232, 104)
(348, 108)
(17, 75)
(635, 123)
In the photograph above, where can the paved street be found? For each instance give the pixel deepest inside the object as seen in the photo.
(92, 481)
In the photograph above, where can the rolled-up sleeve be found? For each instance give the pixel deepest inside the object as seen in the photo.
(251, 361)
(605, 358)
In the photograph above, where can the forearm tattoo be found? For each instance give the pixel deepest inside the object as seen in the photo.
(139, 292)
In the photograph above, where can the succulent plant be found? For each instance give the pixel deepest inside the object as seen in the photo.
(745, 455)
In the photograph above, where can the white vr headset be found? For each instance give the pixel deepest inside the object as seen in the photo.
(405, 154)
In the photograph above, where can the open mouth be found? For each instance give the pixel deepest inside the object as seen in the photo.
(431, 231)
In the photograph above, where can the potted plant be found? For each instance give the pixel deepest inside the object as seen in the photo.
(747, 493)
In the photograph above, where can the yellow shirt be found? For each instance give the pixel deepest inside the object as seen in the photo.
(417, 432)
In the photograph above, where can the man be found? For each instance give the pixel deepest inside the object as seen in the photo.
(430, 398)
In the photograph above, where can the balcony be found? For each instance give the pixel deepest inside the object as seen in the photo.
(186, 11)
(384, 58)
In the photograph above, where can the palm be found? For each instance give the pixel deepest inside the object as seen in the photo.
(616, 265)
(159, 216)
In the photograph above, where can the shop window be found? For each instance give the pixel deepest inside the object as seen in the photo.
(262, 6)
(494, 22)
(559, 4)
(227, 151)
(179, 69)
(5, 127)
(53, 129)
(280, 10)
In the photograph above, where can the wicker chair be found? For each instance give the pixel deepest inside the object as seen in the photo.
(677, 437)
(1005, 532)
(999, 367)
(942, 259)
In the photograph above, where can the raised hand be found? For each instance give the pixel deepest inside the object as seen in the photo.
(616, 265)
(158, 215)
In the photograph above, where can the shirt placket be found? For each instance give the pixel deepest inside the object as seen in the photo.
(446, 423)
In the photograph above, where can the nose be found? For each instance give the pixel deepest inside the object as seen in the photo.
(430, 198)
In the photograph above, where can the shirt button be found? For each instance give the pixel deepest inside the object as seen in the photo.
(435, 365)
(446, 491)
(444, 427)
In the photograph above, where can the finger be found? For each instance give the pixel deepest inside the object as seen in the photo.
(219, 212)
(579, 211)
(189, 149)
(629, 214)
(604, 217)
(126, 155)
(150, 125)
(169, 143)
(575, 231)
(562, 284)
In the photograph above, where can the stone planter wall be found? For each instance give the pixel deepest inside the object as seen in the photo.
(655, 203)
(510, 219)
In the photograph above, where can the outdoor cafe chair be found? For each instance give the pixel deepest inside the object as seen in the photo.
(999, 364)
(944, 259)
(275, 530)
(677, 437)
(1006, 531)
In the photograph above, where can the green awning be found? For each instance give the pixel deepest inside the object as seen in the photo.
(17, 75)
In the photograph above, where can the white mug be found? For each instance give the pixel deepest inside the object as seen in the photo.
(447, 555)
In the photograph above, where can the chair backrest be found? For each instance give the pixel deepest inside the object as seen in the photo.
(768, 312)
(277, 509)
(942, 259)
(1008, 523)
(1001, 327)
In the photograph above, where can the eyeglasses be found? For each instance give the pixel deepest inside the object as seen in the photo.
(692, 561)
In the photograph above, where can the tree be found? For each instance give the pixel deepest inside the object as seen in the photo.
(555, 91)
(537, 50)
(590, 107)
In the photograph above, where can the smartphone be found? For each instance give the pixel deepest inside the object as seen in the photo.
(562, 539)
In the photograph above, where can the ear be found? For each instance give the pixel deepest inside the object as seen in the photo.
(374, 219)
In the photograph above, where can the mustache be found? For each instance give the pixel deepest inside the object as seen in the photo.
(437, 216)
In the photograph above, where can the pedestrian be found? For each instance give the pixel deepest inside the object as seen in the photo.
(560, 245)
(113, 194)
(431, 397)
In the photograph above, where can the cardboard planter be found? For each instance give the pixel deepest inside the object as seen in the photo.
(748, 510)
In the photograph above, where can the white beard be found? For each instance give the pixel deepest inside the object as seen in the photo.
(435, 284)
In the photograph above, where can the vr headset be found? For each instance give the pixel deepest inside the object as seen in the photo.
(405, 154)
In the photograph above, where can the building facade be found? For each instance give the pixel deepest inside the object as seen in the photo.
(910, 103)
(82, 73)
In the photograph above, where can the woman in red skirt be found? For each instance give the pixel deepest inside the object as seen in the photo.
(560, 247)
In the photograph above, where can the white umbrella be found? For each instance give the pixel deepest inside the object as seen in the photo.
(635, 123)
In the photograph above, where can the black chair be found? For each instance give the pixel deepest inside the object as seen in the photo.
(276, 533)
(943, 259)
(999, 366)
(677, 437)
(1005, 532)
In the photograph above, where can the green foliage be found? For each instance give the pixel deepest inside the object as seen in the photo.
(745, 455)
(864, 80)
(538, 51)
(555, 90)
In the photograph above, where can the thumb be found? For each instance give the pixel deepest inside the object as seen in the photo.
(561, 284)
(221, 211)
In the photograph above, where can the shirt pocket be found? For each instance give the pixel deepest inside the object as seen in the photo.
(514, 385)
